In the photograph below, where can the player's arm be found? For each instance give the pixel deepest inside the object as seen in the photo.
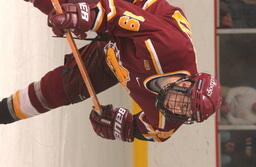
(44, 6)
(119, 123)
(113, 123)
(118, 17)
(125, 19)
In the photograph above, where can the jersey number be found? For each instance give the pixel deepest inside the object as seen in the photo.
(130, 21)
(183, 23)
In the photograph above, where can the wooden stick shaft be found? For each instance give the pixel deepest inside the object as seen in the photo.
(79, 61)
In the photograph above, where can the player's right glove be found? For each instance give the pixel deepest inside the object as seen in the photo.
(77, 17)
(113, 123)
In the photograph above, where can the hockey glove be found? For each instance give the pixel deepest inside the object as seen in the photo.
(113, 123)
(76, 17)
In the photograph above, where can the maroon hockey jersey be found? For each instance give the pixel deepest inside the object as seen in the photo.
(149, 38)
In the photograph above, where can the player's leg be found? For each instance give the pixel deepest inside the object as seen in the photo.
(59, 87)
(101, 76)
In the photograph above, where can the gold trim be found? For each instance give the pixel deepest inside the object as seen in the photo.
(99, 17)
(154, 56)
(148, 3)
(16, 106)
(112, 10)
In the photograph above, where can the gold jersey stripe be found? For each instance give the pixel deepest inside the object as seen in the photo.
(99, 17)
(159, 134)
(16, 106)
(154, 56)
(112, 10)
(151, 134)
(140, 18)
(148, 3)
(161, 123)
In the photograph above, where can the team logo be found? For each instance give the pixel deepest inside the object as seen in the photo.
(210, 89)
(118, 123)
(84, 11)
(115, 64)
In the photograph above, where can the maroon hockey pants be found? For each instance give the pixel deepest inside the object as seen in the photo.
(64, 85)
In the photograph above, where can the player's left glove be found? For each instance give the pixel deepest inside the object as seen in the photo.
(113, 123)
(77, 17)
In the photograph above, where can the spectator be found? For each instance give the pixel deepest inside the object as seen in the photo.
(237, 13)
(239, 106)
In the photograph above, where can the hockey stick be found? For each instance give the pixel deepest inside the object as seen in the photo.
(79, 62)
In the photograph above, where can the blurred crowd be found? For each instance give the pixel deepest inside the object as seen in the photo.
(237, 13)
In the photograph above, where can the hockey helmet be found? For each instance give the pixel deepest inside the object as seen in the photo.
(196, 102)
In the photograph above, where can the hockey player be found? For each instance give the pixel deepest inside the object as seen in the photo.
(146, 47)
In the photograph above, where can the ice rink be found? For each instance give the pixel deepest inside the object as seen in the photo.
(64, 137)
